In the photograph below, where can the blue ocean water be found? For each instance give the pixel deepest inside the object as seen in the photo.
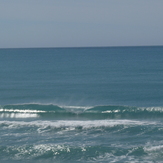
(101, 104)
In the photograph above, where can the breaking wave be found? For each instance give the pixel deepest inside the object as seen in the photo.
(79, 112)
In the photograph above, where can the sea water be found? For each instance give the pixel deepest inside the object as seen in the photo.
(101, 104)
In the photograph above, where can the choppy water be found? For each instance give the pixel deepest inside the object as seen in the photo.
(81, 105)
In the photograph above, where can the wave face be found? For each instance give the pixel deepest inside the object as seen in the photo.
(51, 111)
(51, 133)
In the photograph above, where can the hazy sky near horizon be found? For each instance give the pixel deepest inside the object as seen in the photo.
(76, 23)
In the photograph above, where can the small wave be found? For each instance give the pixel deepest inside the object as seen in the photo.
(31, 107)
(84, 112)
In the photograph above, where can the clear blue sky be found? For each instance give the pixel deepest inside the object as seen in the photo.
(71, 23)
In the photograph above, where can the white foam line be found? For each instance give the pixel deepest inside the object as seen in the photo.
(153, 148)
(84, 124)
(22, 111)
(151, 109)
(76, 107)
(18, 115)
(111, 111)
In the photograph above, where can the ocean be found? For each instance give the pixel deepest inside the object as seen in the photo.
(97, 104)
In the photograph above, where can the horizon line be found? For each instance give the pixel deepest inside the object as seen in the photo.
(67, 47)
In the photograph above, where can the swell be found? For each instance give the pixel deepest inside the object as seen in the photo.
(76, 112)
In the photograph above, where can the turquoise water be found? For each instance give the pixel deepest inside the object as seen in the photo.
(81, 105)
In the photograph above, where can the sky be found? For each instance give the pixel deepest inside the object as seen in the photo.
(80, 23)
